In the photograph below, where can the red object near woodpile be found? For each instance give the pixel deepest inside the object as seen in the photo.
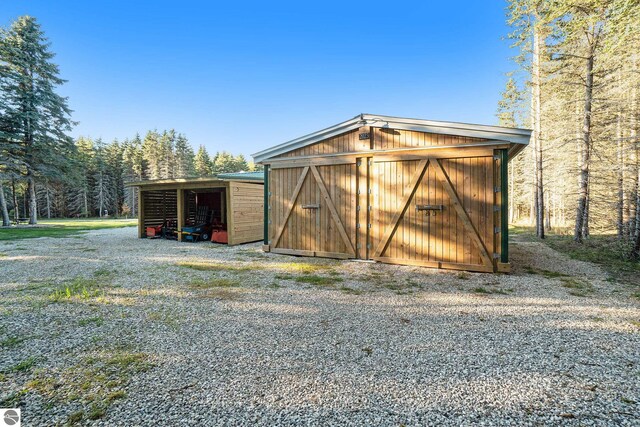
(219, 236)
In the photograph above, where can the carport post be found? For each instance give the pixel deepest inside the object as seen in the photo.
(504, 214)
(180, 210)
(141, 233)
(266, 206)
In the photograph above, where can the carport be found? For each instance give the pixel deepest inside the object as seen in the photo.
(232, 204)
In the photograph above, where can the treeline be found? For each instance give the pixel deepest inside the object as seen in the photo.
(576, 86)
(94, 183)
(44, 172)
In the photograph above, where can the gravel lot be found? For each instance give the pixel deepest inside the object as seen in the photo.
(106, 329)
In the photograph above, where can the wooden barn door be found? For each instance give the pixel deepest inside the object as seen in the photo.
(433, 212)
(313, 208)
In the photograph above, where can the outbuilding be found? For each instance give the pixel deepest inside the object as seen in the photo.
(393, 190)
(231, 203)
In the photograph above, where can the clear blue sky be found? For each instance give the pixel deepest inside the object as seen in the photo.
(243, 76)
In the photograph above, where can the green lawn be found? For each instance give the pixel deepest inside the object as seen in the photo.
(63, 227)
(603, 249)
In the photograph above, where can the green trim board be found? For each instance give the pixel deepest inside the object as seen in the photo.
(266, 204)
(504, 214)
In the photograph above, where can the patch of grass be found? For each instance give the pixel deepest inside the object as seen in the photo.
(400, 288)
(75, 417)
(13, 399)
(351, 291)
(577, 287)
(463, 275)
(606, 250)
(214, 266)
(546, 273)
(23, 366)
(97, 320)
(221, 294)
(635, 323)
(12, 341)
(275, 285)
(368, 351)
(77, 289)
(526, 234)
(62, 228)
(486, 291)
(163, 316)
(94, 383)
(553, 274)
(115, 395)
(102, 272)
(249, 253)
(2, 255)
(316, 280)
(214, 283)
(303, 267)
(35, 287)
(96, 411)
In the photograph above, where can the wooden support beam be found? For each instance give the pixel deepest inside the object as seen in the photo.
(141, 233)
(227, 208)
(180, 210)
(298, 252)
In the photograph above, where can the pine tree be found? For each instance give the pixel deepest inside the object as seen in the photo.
(81, 194)
(6, 220)
(166, 154)
(530, 22)
(114, 167)
(202, 162)
(224, 163)
(252, 167)
(509, 113)
(102, 190)
(241, 164)
(153, 155)
(35, 119)
(134, 166)
(184, 158)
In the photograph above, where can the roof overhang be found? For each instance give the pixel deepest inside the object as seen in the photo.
(219, 180)
(519, 138)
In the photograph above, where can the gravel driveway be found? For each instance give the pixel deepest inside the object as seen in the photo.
(110, 330)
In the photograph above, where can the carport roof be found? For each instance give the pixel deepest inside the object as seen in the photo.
(223, 177)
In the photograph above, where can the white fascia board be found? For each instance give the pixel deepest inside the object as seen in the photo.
(516, 136)
(309, 139)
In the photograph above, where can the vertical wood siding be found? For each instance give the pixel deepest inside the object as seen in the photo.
(247, 205)
(388, 190)
(345, 143)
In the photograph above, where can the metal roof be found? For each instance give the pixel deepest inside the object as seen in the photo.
(518, 137)
(235, 176)
(242, 176)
